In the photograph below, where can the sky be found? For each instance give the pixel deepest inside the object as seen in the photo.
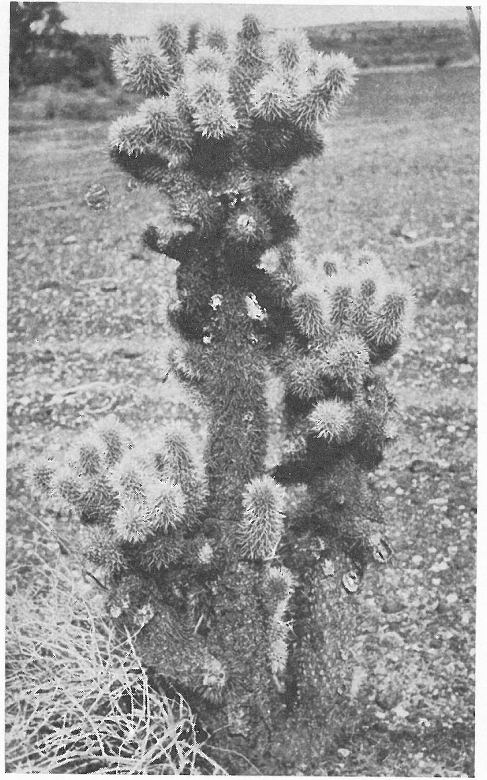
(139, 18)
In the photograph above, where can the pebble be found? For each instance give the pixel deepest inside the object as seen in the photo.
(441, 566)
(392, 605)
(401, 711)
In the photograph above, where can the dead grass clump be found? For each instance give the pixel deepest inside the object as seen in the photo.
(77, 700)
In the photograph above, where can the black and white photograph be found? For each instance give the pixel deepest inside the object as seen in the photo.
(241, 418)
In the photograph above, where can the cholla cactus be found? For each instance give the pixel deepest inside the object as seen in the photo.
(240, 589)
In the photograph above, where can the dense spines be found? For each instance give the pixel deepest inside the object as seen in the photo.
(184, 365)
(166, 129)
(177, 461)
(213, 113)
(89, 456)
(159, 552)
(278, 645)
(101, 549)
(290, 51)
(131, 523)
(248, 230)
(128, 135)
(332, 421)
(137, 502)
(304, 378)
(99, 500)
(390, 320)
(366, 303)
(212, 36)
(270, 99)
(347, 362)
(335, 398)
(68, 485)
(116, 439)
(320, 95)
(262, 524)
(41, 474)
(177, 244)
(206, 60)
(273, 194)
(216, 90)
(279, 587)
(160, 509)
(173, 43)
(166, 640)
(340, 299)
(308, 311)
(142, 67)
(129, 476)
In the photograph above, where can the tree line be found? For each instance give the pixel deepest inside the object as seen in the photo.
(43, 52)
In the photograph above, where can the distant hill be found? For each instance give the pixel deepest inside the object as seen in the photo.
(382, 44)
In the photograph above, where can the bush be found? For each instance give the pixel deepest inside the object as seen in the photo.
(69, 101)
(77, 699)
(75, 106)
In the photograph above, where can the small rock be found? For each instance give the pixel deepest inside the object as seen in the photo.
(343, 752)
(358, 677)
(465, 368)
(408, 233)
(401, 711)
(70, 240)
(441, 566)
(129, 354)
(46, 357)
(109, 287)
(351, 581)
(97, 197)
(328, 568)
(390, 606)
(387, 699)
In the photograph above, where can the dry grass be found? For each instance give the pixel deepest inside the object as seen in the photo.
(77, 700)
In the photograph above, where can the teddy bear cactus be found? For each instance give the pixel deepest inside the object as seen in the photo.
(237, 575)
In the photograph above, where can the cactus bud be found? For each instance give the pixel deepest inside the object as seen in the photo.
(332, 421)
(262, 525)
